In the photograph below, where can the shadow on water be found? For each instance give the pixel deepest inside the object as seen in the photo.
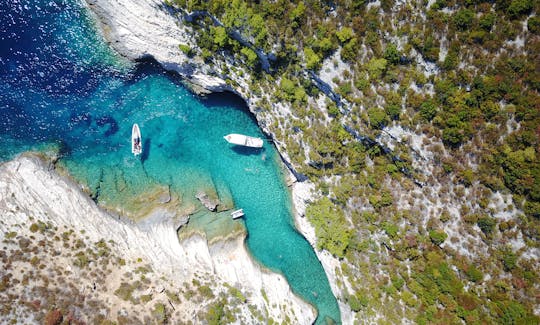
(247, 151)
(145, 150)
(149, 66)
(234, 101)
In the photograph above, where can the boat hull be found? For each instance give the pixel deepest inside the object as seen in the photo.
(244, 140)
(136, 140)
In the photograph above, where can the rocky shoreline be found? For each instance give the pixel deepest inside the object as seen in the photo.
(31, 192)
(148, 29)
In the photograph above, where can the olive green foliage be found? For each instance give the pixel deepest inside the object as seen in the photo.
(313, 61)
(486, 224)
(377, 117)
(186, 49)
(250, 55)
(331, 227)
(518, 8)
(160, 313)
(345, 34)
(391, 54)
(291, 91)
(480, 91)
(474, 274)
(463, 19)
(377, 68)
(428, 110)
(533, 24)
(437, 236)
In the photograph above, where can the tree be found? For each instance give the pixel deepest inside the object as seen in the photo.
(377, 118)
(345, 34)
(376, 68)
(391, 54)
(428, 110)
(313, 61)
(251, 56)
(331, 228)
(220, 36)
(518, 8)
(463, 19)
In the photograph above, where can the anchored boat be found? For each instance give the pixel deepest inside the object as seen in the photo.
(244, 140)
(136, 145)
(237, 213)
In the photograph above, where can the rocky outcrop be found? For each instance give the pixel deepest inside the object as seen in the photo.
(31, 190)
(210, 204)
(139, 29)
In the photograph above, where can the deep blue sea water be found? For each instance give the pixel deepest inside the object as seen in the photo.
(61, 85)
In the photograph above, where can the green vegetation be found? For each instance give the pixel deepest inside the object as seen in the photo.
(330, 225)
(437, 236)
(480, 98)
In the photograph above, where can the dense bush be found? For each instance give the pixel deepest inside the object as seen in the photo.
(330, 225)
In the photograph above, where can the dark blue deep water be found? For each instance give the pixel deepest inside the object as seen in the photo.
(62, 87)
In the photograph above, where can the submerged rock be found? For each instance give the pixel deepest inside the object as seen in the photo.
(210, 204)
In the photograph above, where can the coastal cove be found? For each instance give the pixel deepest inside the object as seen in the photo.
(63, 88)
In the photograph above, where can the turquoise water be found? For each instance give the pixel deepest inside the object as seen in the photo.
(61, 85)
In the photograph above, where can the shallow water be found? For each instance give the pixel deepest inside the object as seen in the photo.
(61, 85)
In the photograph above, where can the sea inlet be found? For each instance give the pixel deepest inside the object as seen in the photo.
(62, 87)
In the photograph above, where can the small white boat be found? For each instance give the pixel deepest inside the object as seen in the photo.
(136, 144)
(237, 213)
(244, 140)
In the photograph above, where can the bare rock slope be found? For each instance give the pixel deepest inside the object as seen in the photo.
(34, 197)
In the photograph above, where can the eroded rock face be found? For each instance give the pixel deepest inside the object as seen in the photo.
(209, 203)
(28, 189)
(139, 29)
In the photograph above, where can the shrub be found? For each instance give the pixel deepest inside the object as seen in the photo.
(428, 110)
(463, 19)
(393, 111)
(533, 25)
(53, 317)
(313, 61)
(186, 49)
(349, 50)
(486, 224)
(391, 54)
(376, 68)
(437, 236)
(486, 21)
(345, 34)
(518, 8)
(160, 313)
(377, 118)
(509, 260)
(34, 227)
(330, 224)
(390, 229)
(474, 274)
(357, 303)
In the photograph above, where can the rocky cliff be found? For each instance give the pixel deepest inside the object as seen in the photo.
(123, 267)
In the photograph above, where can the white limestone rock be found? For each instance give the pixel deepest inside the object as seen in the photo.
(29, 189)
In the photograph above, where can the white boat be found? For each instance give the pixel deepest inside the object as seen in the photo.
(244, 140)
(237, 213)
(136, 144)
